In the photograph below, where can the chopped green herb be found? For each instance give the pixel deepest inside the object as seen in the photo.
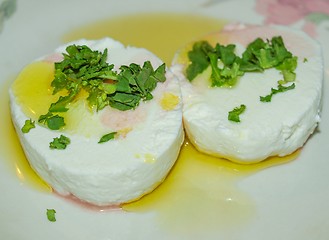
(51, 215)
(227, 76)
(83, 68)
(263, 55)
(234, 115)
(203, 54)
(305, 60)
(60, 142)
(280, 89)
(199, 59)
(107, 137)
(287, 68)
(53, 122)
(227, 67)
(87, 69)
(28, 125)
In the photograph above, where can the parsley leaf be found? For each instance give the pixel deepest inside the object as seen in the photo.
(124, 101)
(227, 76)
(107, 137)
(287, 68)
(199, 59)
(60, 143)
(51, 215)
(226, 53)
(280, 89)
(159, 73)
(28, 125)
(234, 115)
(53, 122)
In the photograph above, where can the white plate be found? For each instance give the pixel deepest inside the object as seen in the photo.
(289, 201)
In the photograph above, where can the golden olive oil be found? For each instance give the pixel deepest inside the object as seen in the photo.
(10, 147)
(201, 193)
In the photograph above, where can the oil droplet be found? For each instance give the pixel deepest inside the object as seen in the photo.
(10, 147)
(149, 158)
(169, 101)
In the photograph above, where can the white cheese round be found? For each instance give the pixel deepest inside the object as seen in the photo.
(266, 129)
(120, 170)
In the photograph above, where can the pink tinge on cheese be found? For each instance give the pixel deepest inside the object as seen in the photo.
(118, 120)
(242, 34)
(55, 57)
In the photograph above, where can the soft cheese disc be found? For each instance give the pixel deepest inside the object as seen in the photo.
(120, 170)
(266, 129)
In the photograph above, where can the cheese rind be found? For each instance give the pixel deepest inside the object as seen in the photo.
(276, 128)
(117, 171)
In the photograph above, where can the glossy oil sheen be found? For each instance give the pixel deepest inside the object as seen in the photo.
(34, 94)
(201, 193)
(10, 147)
(32, 88)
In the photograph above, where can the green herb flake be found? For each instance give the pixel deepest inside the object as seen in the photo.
(287, 68)
(51, 215)
(227, 67)
(199, 59)
(53, 122)
(59, 142)
(274, 91)
(28, 125)
(107, 137)
(266, 54)
(234, 115)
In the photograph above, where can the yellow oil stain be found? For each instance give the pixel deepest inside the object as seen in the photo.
(169, 101)
(149, 158)
(201, 193)
(11, 149)
(32, 88)
(34, 94)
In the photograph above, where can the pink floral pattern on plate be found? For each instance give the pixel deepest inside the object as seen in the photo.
(288, 12)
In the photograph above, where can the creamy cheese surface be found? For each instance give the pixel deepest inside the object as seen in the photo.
(114, 172)
(266, 129)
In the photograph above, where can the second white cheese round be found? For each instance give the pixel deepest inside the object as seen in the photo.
(266, 129)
